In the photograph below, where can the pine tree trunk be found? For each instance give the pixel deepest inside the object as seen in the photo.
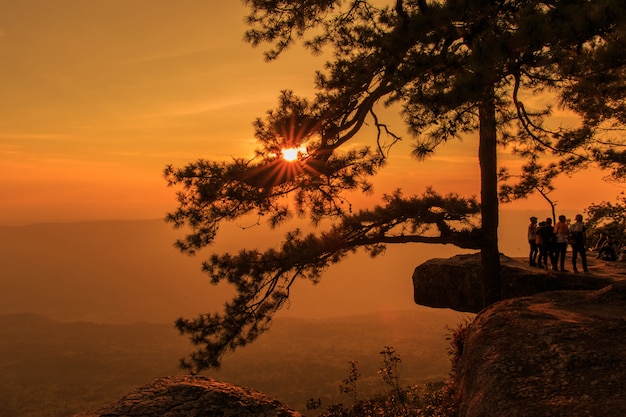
(487, 155)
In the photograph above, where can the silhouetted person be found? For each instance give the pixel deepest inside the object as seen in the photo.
(539, 243)
(561, 230)
(601, 241)
(540, 247)
(579, 242)
(546, 247)
(532, 241)
(608, 250)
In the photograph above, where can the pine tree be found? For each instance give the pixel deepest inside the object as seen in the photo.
(452, 68)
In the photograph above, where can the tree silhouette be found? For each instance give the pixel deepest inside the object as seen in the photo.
(452, 69)
(609, 218)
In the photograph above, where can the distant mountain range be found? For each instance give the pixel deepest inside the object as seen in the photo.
(55, 369)
(128, 271)
(108, 272)
(86, 313)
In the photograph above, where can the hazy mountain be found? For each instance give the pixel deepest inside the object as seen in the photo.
(54, 369)
(113, 272)
(126, 271)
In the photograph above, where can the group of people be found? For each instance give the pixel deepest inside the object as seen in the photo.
(549, 242)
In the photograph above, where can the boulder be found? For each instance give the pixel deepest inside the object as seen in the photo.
(193, 396)
(455, 282)
(553, 354)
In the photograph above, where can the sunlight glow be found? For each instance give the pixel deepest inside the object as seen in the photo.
(292, 154)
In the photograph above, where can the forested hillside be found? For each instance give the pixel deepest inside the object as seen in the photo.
(53, 369)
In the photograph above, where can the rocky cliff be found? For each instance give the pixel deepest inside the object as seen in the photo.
(554, 354)
(559, 352)
(455, 282)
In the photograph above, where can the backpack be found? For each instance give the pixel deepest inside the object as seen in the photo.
(571, 238)
(576, 238)
(547, 235)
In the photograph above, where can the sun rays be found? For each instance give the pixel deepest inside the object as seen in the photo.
(293, 154)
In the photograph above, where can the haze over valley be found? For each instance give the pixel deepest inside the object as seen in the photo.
(128, 271)
(87, 312)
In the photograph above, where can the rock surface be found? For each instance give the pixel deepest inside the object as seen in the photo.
(555, 346)
(558, 353)
(193, 396)
(455, 282)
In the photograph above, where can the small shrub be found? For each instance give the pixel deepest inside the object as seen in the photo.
(457, 340)
(349, 384)
(430, 400)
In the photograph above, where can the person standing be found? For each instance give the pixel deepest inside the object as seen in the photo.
(532, 241)
(579, 242)
(561, 230)
(549, 241)
(539, 242)
(546, 247)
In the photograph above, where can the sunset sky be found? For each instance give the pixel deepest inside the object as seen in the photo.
(99, 96)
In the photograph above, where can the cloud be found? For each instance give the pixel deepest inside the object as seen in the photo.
(34, 136)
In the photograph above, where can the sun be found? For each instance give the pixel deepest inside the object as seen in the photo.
(292, 154)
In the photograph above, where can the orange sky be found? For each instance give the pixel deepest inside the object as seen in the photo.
(99, 96)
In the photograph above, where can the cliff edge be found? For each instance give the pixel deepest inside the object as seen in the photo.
(555, 347)
(559, 353)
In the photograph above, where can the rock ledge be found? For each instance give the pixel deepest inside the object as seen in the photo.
(557, 353)
(455, 282)
(193, 396)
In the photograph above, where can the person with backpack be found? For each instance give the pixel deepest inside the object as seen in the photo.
(546, 247)
(578, 239)
(561, 230)
(532, 242)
